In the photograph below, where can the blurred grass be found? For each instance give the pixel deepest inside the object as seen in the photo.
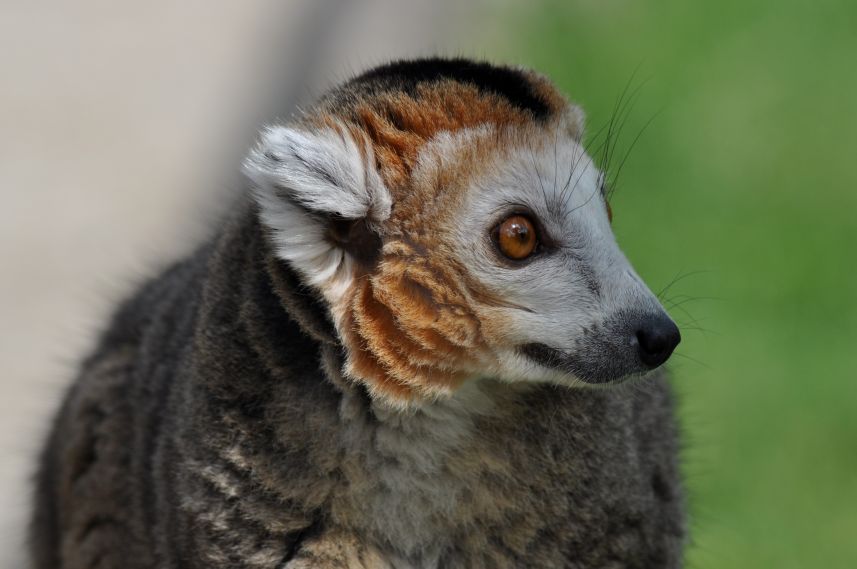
(747, 173)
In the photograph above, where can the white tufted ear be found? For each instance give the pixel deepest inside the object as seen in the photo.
(322, 197)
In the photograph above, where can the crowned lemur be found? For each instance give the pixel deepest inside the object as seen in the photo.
(397, 351)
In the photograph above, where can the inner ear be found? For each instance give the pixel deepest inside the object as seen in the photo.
(357, 238)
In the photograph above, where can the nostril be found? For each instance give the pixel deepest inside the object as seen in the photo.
(657, 338)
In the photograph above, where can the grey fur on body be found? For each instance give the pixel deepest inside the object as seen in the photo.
(202, 433)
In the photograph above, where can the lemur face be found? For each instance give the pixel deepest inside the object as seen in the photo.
(449, 216)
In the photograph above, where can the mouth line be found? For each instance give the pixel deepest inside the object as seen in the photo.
(553, 358)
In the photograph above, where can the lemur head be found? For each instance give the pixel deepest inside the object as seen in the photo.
(449, 216)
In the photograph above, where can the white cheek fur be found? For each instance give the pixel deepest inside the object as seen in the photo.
(567, 291)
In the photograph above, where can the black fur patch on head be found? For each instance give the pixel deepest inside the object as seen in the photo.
(405, 75)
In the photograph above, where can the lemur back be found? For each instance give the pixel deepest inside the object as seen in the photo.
(392, 354)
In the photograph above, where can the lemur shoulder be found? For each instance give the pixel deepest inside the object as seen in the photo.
(386, 357)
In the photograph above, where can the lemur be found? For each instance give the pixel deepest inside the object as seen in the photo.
(397, 351)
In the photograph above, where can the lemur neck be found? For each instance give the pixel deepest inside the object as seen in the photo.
(414, 474)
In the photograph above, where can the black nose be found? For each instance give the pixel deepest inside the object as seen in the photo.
(657, 336)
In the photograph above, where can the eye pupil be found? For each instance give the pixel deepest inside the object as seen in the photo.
(516, 237)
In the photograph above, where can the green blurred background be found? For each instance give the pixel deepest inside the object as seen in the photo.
(743, 188)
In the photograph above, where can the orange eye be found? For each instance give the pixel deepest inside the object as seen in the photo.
(516, 237)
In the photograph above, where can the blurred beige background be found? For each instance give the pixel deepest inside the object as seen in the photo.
(123, 125)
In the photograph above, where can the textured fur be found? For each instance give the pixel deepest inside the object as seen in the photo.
(334, 381)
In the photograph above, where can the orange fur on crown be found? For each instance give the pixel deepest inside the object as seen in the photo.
(399, 124)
